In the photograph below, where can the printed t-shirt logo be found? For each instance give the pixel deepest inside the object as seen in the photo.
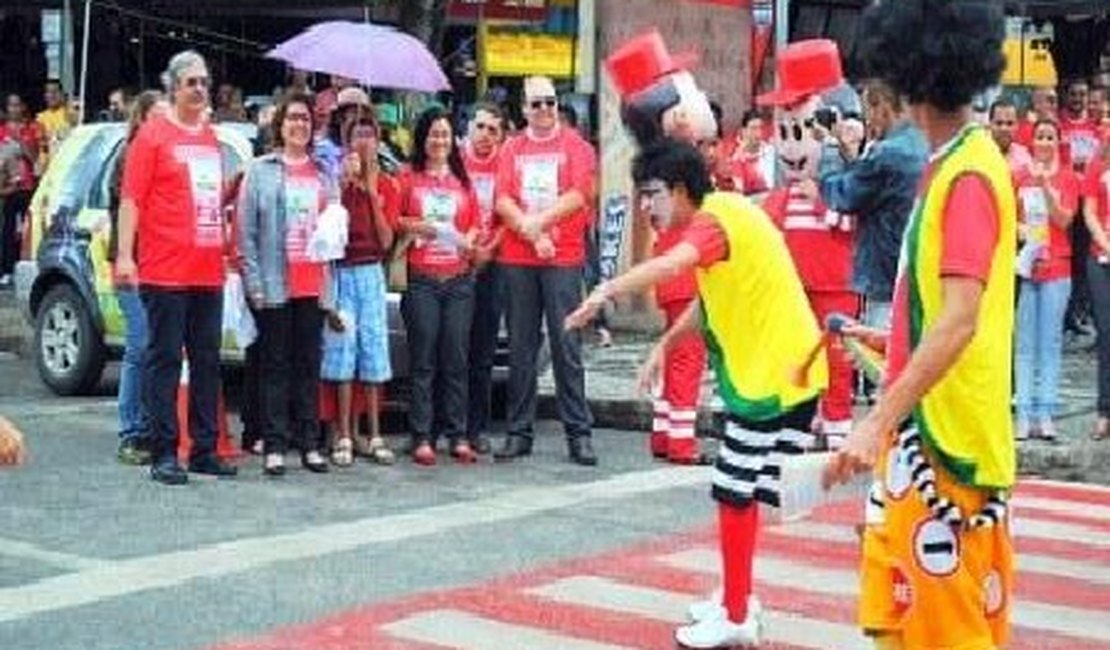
(206, 185)
(483, 188)
(539, 181)
(440, 209)
(302, 205)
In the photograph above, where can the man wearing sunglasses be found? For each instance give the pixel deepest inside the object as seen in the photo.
(545, 181)
(171, 244)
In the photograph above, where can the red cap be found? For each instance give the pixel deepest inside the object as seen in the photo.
(804, 69)
(641, 61)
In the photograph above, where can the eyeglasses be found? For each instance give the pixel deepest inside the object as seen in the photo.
(543, 102)
(298, 117)
(197, 82)
(365, 133)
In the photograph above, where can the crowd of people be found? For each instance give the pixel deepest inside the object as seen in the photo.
(485, 228)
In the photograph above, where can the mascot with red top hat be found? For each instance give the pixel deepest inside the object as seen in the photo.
(819, 239)
(659, 98)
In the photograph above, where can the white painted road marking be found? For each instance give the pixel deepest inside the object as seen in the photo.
(130, 576)
(455, 629)
(67, 561)
(657, 604)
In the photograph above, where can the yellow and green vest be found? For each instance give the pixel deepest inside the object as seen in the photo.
(965, 418)
(758, 323)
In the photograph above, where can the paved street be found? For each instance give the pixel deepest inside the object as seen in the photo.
(535, 555)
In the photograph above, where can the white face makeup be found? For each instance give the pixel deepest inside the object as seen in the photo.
(658, 202)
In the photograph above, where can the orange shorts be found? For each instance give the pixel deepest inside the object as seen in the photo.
(925, 583)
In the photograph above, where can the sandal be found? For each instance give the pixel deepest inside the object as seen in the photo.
(462, 452)
(1101, 430)
(380, 452)
(342, 452)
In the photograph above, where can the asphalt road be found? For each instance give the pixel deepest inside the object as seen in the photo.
(538, 554)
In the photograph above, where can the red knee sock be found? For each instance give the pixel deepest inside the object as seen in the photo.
(738, 530)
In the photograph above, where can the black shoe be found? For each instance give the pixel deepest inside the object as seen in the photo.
(168, 472)
(480, 444)
(133, 452)
(212, 466)
(314, 462)
(582, 451)
(514, 447)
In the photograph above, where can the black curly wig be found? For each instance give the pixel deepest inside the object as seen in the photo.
(936, 52)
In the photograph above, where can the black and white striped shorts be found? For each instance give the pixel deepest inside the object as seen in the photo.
(749, 464)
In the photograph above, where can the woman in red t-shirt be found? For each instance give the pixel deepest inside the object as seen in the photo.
(439, 210)
(1096, 210)
(281, 198)
(1048, 198)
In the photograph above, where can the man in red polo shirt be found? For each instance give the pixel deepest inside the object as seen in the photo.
(171, 212)
(545, 181)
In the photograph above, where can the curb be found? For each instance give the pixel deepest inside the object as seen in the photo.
(1079, 459)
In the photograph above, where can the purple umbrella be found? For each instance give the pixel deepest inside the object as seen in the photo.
(379, 56)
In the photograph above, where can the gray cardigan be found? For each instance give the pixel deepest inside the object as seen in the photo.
(261, 227)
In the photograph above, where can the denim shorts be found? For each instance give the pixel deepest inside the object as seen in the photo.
(362, 350)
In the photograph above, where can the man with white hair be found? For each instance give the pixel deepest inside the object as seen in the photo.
(171, 212)
(545, 181)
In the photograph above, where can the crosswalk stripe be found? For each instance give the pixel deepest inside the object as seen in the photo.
(835, 582)
(603, 593)
(1023, 528)
(463, 631)
(1065, 487)
(1086, 510)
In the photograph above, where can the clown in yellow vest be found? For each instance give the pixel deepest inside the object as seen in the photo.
(937, 566)
(752, 311)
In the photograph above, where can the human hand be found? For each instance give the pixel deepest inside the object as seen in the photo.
(858, 455)
(545, 248)
(586, 311)
(352, 166)
(532, 227)
(126, 271)
(12, 449)
(651, 371)
(809, 189)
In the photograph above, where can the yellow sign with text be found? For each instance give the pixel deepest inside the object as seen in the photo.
(519, 55)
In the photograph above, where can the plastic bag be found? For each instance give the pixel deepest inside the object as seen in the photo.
(238, 322)
(329, 239)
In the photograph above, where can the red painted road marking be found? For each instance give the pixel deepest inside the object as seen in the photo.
(512, 600)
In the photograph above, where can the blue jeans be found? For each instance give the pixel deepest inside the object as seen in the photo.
(132, 414)
(1039, 346)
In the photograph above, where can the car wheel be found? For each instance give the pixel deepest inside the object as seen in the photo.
(68, 349)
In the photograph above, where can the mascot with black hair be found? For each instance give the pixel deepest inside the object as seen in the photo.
(937, 552)
(820, 239)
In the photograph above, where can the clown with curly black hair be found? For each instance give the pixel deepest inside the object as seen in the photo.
(937, 553)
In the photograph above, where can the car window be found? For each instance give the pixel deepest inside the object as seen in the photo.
(74, 188)
(100, 192)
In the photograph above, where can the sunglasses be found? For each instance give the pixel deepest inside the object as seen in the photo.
(545, 102)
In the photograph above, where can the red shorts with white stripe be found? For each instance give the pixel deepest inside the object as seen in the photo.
(676, 408)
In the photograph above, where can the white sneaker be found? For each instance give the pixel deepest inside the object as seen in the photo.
(704, 610)
(720, 633)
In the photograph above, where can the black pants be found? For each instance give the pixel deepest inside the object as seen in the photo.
(1098, 275)
(437, 321)
(289, 340)
(489, 307)
(251, 410)
(191, 320)
(536, 293)
(15, 205)
(1080, 300)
